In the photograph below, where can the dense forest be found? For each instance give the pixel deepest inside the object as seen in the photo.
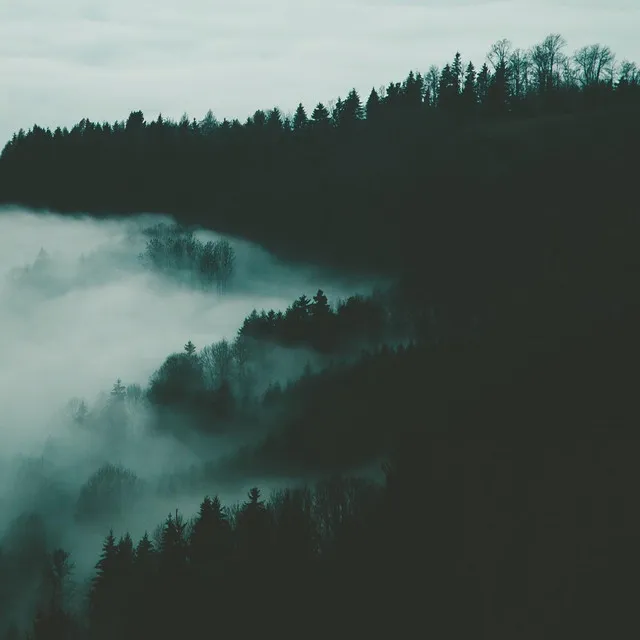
(491, 383)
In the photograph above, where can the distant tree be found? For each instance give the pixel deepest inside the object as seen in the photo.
(592, 62)
(628, 81)
(253, 529)
(210, 540)
(545, 58)
(372, 108)
(497, 99)
(177, 382)
(190, 349)
(457, 74)
(469, 91)
(518, 74)
(107, 493)
(446, 96)
(413, 90)
(144, 554)
(352, 111)
(103, 594)
(320, 118)
(207, 264)
(134, 394)
(119, 391)
(135, 121)
(300, 119)
(500, 53)
(224, 257)
(498, 89)
(432, 80)
(482, 84)
(274, 123)
(209, 124)
(320, 306)
(52, 620)
(218, 363)
(173, 556)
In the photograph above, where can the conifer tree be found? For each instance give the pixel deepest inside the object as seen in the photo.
(372, 108)
(300, 119)
(469, 91)
(190, 349)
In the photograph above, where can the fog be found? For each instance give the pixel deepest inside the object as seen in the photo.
(78, 310)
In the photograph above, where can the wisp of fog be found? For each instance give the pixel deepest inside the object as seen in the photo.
(79, 311)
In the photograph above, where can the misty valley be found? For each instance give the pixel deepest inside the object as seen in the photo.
(104, 300)
(362, 371)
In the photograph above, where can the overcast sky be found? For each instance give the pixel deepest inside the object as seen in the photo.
(64, 60)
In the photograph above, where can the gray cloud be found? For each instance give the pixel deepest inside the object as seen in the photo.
(72, 59)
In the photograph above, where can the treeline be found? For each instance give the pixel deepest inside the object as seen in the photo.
(310, 409)
(175, 251)
(221, 385)
(347, 182)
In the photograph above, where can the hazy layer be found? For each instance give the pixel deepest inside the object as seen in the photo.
(81, 315)
(75, 328)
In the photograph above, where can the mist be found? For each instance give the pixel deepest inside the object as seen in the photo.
(78, 311)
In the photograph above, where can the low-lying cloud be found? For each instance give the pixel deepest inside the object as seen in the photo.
(78, 310)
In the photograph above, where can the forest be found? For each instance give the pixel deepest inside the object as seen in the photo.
(490, 386)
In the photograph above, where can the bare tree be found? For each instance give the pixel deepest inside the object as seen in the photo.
(432, 80)
(546, 58)
(217, 362)
(519, 66)
(224, 257)
(500, 53)
(592, 62)
(629, 74)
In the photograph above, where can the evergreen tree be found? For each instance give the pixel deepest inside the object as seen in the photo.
(457, 73)
(482, 84)
(190, 349)
(320, 118)
(352, 110)
(469, 92)
(119, 391)
(446, 95)
(210, 539)
(103, 594)
(413, 90)
(372, 108)
(253, 529)
(300, 120)
(497, 94)
(320, 308)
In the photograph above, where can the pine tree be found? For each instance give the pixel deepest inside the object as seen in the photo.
(446, 88)
(413, 90)
(300, 119)
(173, 545)
(352, 110)
(497, 93)
(482, 84)
(320, 118)
(469, 91)
(253, 526)
(144, 557)
(119, 391)
(103, 594)
(210, 538)
(190, 349)
(372, 108)
(456, 75)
